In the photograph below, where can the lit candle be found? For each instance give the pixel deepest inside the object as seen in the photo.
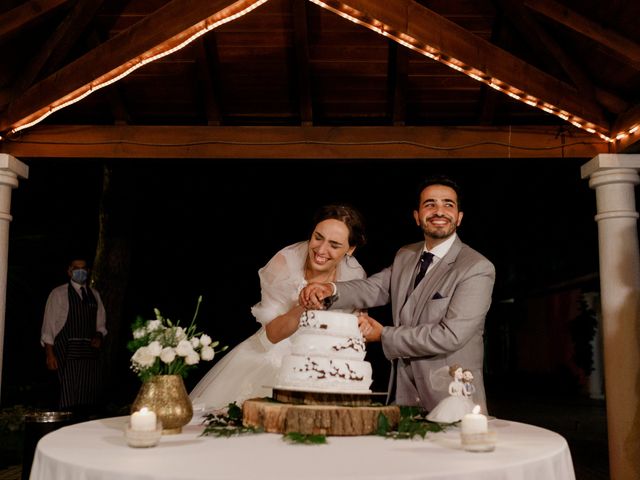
(473, 423)
(143, 420)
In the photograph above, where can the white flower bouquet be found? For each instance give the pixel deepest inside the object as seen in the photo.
(163, 348)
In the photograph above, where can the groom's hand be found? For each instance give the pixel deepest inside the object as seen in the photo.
(370, 328)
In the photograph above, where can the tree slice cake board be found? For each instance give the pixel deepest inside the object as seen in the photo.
(317, 413)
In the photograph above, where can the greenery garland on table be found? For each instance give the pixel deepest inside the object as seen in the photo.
(227, 424)
(413, 423)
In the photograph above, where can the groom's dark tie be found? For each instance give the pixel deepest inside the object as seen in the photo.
(84, 293)
(425, 261)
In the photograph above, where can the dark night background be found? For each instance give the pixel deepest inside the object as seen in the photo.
(206, 227)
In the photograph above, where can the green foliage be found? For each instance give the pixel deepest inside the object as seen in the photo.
(413, 423)
(227, 424)
(306, 439)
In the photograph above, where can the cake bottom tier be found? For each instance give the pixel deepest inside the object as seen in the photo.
(324, 374)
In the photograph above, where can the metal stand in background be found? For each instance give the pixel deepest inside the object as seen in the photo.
(36, 426)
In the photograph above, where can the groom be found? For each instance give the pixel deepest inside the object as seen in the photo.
(438, 314)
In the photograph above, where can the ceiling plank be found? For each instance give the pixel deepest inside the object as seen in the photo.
(407, 18)
(19, 17)
(302, 142)
(174, 23)
(593, 30)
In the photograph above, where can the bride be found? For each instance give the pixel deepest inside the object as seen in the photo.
(249, 370)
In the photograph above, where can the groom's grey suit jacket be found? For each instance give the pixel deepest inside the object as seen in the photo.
(439, 323)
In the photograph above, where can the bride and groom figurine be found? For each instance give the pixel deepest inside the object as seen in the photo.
(451, 409)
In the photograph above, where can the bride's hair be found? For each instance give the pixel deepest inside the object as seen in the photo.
(348, 215)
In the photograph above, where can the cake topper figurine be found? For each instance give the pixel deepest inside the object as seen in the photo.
(451, 409)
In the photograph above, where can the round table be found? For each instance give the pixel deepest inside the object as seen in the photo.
(97, 450)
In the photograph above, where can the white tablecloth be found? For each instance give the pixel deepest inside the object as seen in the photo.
(97, 450)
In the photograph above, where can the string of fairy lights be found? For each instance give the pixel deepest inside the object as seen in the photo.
(243, 7)
(495, 83)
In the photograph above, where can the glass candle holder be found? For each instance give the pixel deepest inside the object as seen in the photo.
(478, 442)
(137, 438)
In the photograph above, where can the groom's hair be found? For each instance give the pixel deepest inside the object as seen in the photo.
(439, 179)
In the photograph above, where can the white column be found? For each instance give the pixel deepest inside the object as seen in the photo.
(614, 177)
(10, 170)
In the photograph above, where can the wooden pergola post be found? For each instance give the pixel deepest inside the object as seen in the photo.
(614, 177)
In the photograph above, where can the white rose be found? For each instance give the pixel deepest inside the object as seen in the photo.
(207, 353)
(192, 358)
(153, 325)
(139, 333)
(179, 333)
(205, 340)
(143, 357)
(184, 348)
(168, 355)
(195, 342)
(154, 348)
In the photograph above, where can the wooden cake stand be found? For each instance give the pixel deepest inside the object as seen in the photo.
(318, 413)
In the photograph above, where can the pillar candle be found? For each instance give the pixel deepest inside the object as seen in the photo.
(474, 422)
(143, 420)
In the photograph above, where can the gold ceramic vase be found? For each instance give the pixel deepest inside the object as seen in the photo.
(167, 396)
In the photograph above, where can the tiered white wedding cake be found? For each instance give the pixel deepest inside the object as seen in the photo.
(327, 355)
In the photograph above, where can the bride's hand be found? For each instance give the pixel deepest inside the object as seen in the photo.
(312, 296)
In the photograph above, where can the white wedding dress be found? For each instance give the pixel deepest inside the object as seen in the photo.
(249, 370)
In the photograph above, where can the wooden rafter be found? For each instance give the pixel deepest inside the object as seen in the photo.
(607, 37)
(60, 42)
(176, 19)
(397, 75)
(16, 19)
(171, 25)
(425, 27)
(538, 39)
(301, 49)
(206, 63)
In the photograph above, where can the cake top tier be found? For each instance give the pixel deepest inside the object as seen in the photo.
(325, 322)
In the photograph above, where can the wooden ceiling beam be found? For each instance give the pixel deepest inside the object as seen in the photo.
(115, 96)
(207, 63)
(21, 16)
(489, 96)
(406, 18)
(302, 142)
(398, 65)
(301, 49)
(174, 23)
(590, 29)
(541, 42)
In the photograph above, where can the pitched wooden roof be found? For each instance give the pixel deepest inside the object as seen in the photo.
(429, 78)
